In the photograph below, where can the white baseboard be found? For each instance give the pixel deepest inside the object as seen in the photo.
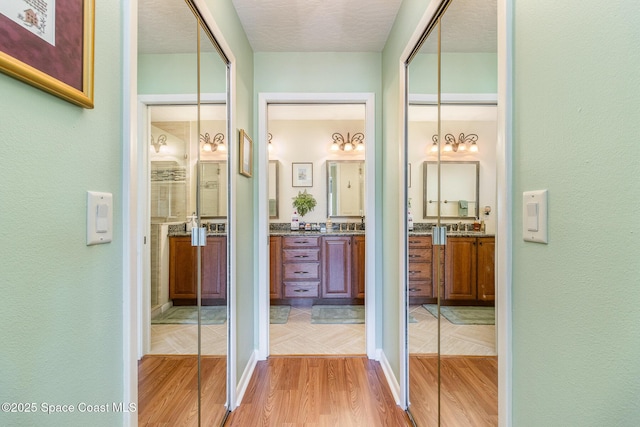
(246, 377)
(394, 385)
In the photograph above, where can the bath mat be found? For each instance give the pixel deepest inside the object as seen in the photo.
(279, 314)
(188, 315)
(464, 315)
(337, 314)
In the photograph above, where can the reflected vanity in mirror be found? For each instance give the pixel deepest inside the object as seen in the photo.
(274, 176)
(345, 188)
(459, 189)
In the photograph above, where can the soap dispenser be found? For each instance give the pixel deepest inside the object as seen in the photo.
(191, 224)
(295, 223)
(409, 221)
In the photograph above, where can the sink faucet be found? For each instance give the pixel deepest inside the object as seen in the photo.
(362, 222)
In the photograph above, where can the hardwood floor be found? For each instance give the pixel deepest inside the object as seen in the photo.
(318, 391)
(168, 390)
(469, 390)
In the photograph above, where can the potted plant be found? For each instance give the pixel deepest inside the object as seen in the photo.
(304, 203)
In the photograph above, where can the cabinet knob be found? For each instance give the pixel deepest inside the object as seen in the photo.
(414, 289)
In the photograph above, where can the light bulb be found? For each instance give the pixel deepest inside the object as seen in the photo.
(348, 146)
(207, 147)
(360, 147)
(462, 147)
(447, 147)
(222, 147)
(434, 147)
(270, 147)
(474, 148)
(335, 146)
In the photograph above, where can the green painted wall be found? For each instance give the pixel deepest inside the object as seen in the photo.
(576, 346)
(245, 206)
(61, 317)
(406, 21)
(461, 73)
(329, 72)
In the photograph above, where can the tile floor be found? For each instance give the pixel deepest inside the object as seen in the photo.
(299, 336)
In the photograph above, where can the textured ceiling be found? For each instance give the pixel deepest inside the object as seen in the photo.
(317, 25)
(168, 26)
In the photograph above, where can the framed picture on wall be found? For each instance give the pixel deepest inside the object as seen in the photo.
(302, 175)
(246, 154)
(49, 44)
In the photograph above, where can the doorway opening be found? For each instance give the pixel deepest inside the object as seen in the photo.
(324, 271)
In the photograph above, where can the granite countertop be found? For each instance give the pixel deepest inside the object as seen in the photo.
(185, 234)
(454, 233)
(316, 233)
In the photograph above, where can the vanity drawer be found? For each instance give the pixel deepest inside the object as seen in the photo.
(420, 254)
(297, 255)
(420, 288)
(302, 290)
(300, 241)
(420, 271)
(419, 242)
(301, 271)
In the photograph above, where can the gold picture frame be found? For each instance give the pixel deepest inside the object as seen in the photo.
(246, 154)
(64, 67)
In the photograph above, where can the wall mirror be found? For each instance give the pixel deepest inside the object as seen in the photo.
(274, 184)
(345, 188)
(213, 189)
(459, 189)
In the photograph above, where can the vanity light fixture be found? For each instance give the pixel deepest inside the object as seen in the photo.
(355, 143)
(463, 143)
(213, 144)
(162, 140)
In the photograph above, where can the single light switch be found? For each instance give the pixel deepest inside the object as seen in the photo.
(534, 212)
(532, 216)
(99, 217)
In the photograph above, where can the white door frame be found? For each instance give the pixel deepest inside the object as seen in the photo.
(368, 99)
(504, 210)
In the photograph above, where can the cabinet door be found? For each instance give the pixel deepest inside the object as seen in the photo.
(182, 268)
(214, 268)
(275, 267)
(358, 264)
(460, 283)
(336, 264)
(486, 268)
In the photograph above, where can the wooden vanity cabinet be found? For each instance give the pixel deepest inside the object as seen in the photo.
(183, 270)
(470, 263)
(486, 268)
(275, 267)
(336, 267)
(300, 267)
(358, 266)
(421, 272)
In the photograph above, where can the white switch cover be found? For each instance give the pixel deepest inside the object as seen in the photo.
(99, 217)
(534, 216)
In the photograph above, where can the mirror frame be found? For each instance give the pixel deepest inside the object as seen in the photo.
(425, 200)
(362, 162)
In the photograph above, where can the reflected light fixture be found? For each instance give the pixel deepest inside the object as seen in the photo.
(463, 143)
(355, 143)
(270, 145)
(162, 140)
(213, 144)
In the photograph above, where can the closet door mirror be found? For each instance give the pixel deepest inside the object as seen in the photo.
(212, 209)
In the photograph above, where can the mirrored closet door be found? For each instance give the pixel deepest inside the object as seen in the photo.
(451, 138)
(183, 373)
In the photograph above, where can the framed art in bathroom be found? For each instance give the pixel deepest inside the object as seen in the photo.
(246, 154)
(49, 44)
(302, 174)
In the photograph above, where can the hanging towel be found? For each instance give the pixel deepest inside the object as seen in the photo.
(463, 208)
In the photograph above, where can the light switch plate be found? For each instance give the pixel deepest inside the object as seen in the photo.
(99, 217)
(534, 216)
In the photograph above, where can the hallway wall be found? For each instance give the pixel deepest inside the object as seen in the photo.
(61, 318)
(576, 90)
